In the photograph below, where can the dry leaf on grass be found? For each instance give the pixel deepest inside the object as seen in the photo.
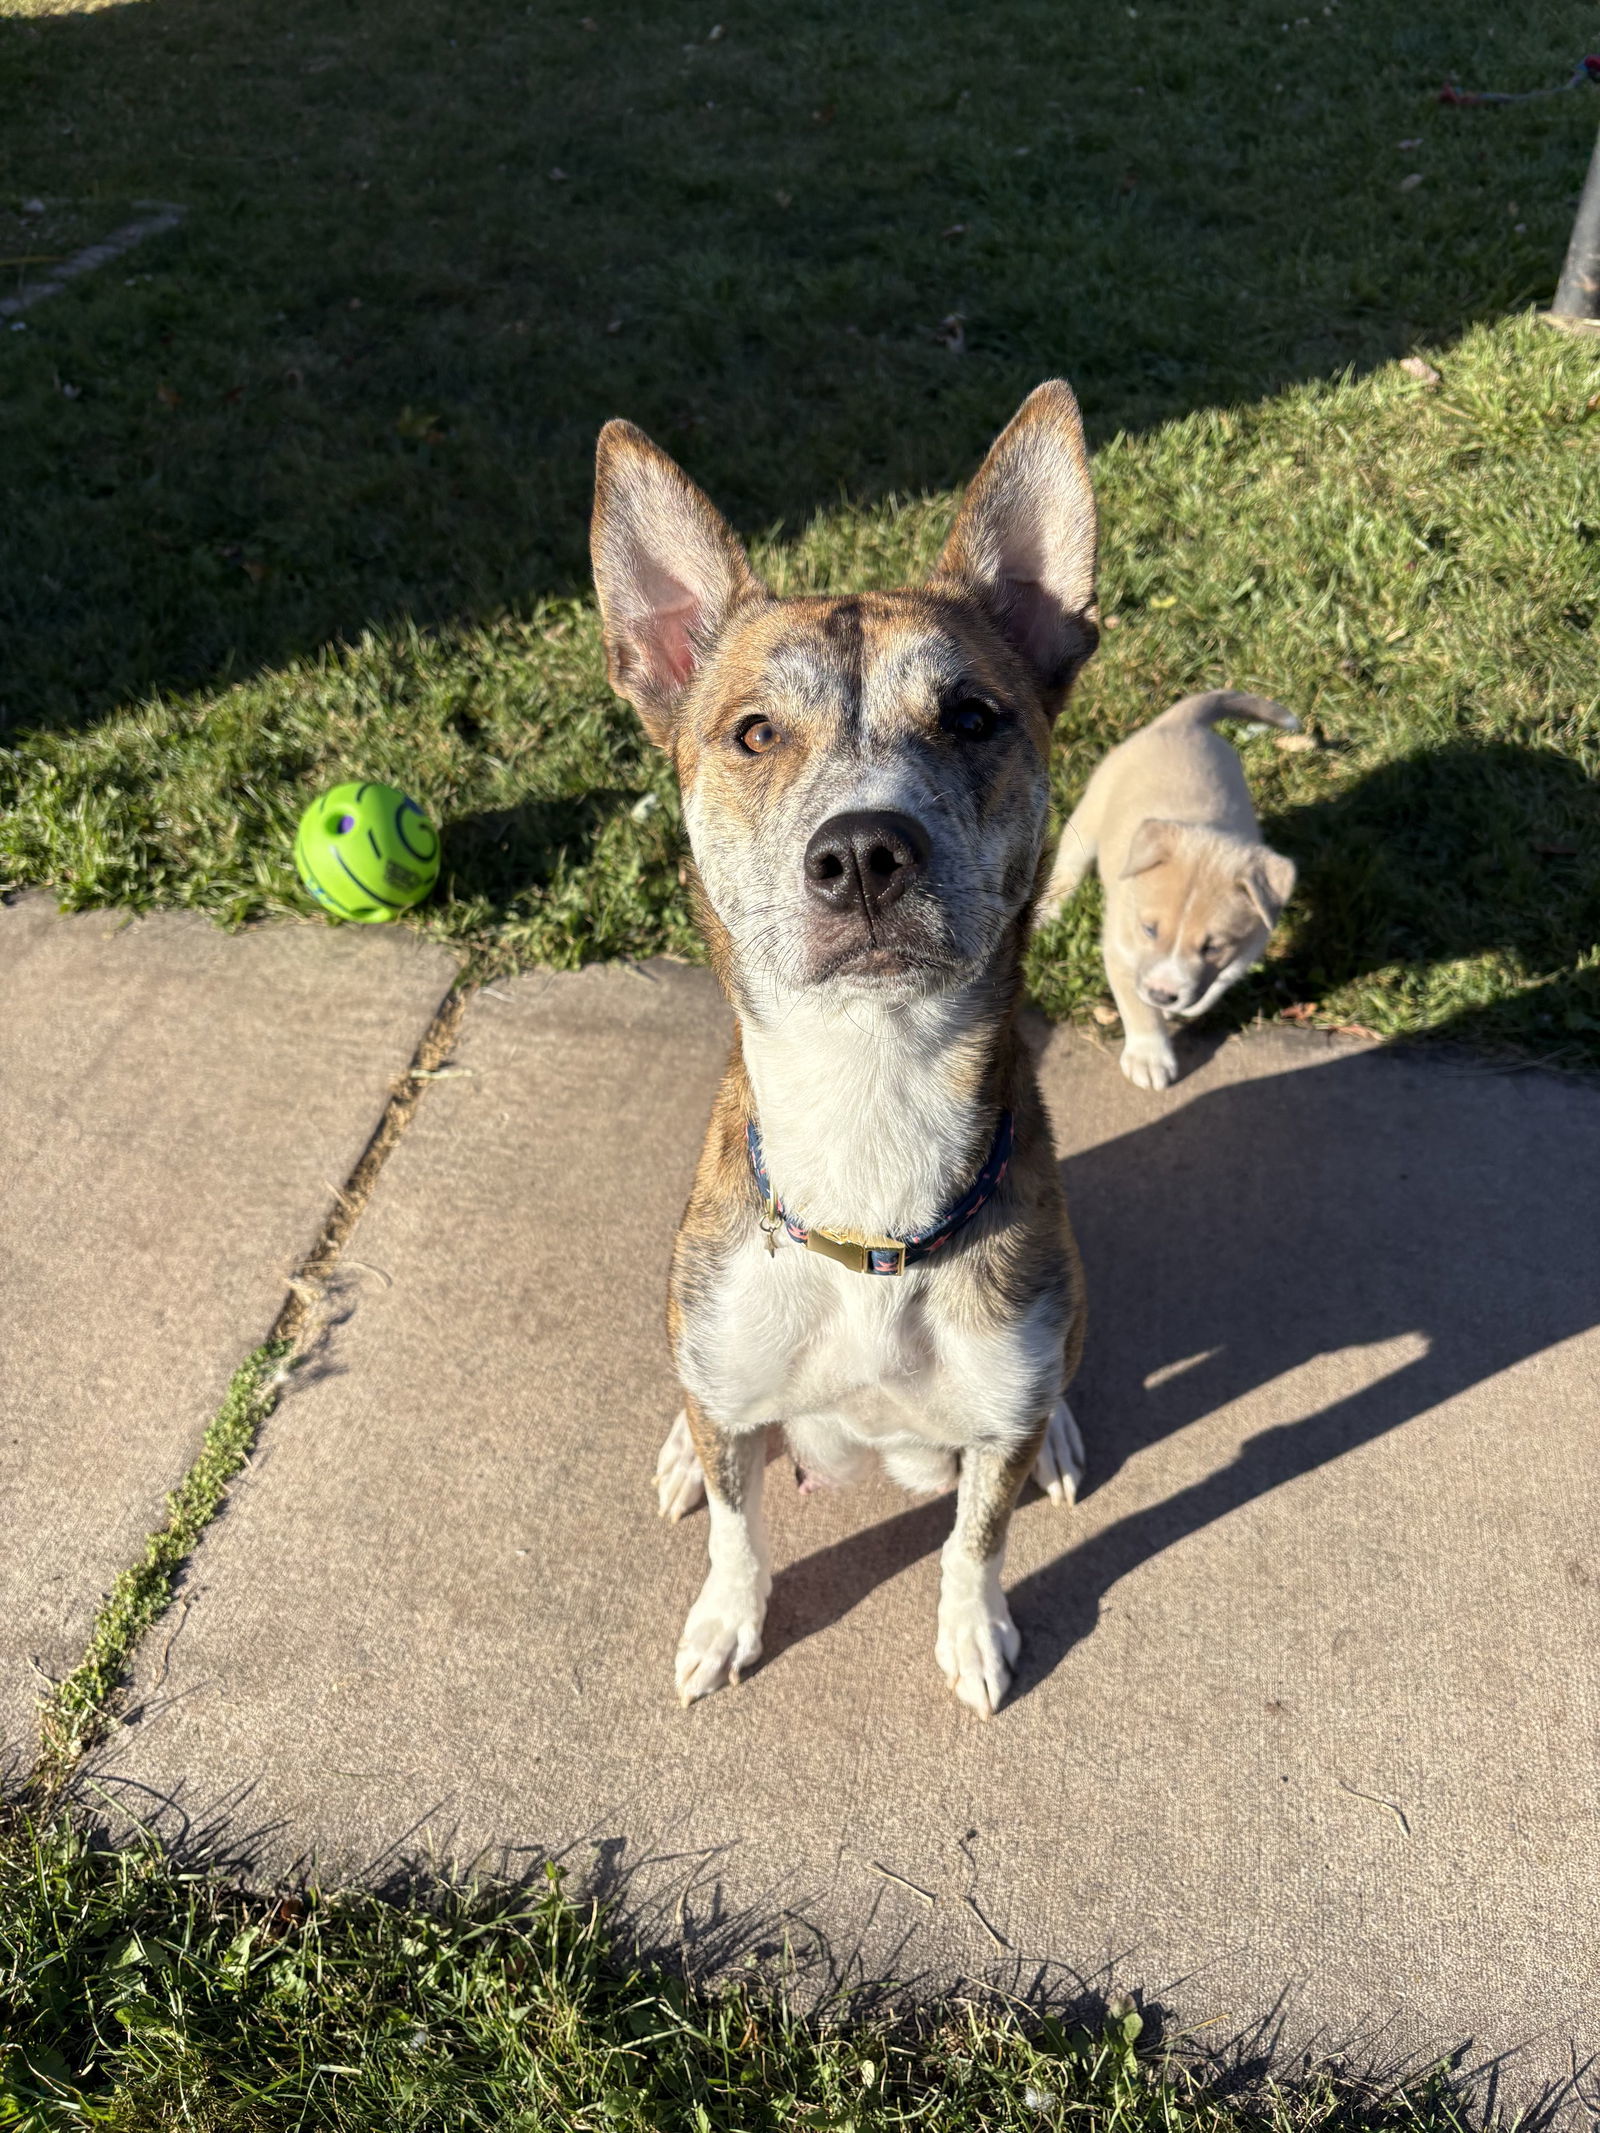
(1415, 367)
(418, 427)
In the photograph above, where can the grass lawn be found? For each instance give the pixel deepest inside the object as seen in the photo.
(136, 1996)
(299, 492)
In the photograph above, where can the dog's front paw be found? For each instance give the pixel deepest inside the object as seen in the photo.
(1150, 1062)
(721, 1640)
(1059, 1467)
(680, 1480)
(978, 1642)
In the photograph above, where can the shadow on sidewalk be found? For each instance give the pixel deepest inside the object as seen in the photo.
(1263, 1225)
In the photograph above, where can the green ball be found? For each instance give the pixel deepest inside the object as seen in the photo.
(366, 852)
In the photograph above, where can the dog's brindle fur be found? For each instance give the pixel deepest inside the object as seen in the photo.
(877, 1043)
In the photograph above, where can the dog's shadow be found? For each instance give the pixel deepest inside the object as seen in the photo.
(1249, 1231)
(1435, 860)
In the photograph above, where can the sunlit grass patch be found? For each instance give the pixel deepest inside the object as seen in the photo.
(1412, 569)
(140, 1995)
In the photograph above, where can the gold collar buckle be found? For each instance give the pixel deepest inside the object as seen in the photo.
(852, 1252)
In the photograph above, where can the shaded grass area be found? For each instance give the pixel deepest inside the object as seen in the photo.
(299, 492)
(138, 1995)
(361, 385)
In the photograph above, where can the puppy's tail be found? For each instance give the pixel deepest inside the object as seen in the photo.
(1207, 708)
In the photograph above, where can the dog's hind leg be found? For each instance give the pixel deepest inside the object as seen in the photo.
(1059, 1467)
(721, 1639)
(978, 1642)
(680, 1479)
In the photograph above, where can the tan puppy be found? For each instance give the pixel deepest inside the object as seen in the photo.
(876, 1255)
(1192, 893)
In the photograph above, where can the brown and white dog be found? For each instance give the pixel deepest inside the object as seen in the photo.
(865, 793)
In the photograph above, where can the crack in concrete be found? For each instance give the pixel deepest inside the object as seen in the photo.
(299, 1321)
(78, 1709)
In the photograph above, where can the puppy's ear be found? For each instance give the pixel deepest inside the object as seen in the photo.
(668, 571)
(1024, 539)
(1154, 843)
(1268, 882)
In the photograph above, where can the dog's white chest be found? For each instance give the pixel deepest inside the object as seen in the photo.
(868, 1352)
(864, 1127)
(797, 1334)
(853, 1363)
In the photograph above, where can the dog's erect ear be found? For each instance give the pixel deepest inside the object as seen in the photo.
(668, 569)
(1154, 843)
(1268, 882)
(1024, 539)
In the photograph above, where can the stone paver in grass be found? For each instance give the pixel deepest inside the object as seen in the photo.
(1305, 1732)
(177, 1109)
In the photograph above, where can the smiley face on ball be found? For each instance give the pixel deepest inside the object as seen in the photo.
(366, 852)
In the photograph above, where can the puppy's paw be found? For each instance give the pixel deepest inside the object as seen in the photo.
(1059, 1466)
(680, 1483)
(978, 1642)
(721, 1640)
(1150, 1062)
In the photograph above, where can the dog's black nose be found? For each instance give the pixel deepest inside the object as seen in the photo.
(1158, 996)
(865, 859)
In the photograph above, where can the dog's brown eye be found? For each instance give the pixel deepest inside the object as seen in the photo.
(758, 736)
(970, 720)
(1149, 926)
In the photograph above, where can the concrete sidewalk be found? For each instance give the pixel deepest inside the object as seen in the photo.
(177, 1109)
(1305, 1734)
